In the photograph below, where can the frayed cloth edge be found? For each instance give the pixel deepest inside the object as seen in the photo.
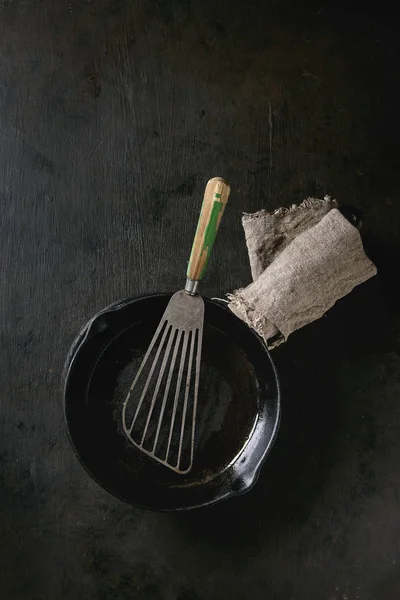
(307, 204)
(236, 299)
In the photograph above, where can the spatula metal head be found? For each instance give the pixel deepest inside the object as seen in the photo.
(161, 418)
(159, 413)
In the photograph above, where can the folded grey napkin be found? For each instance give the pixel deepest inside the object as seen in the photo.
(302, 259)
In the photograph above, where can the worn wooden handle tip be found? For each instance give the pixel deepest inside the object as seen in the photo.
(215, 198)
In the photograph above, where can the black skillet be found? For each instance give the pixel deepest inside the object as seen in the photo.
(238, 407)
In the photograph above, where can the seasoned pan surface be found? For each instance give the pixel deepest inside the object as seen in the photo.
(238, 407)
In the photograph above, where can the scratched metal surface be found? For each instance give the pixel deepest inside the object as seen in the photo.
(113, 115)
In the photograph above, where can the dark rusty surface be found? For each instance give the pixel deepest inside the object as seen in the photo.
(113, 114)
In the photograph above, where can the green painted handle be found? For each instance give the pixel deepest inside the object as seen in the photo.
(215, 198)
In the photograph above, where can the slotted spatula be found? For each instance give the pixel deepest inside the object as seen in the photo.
(159, 413)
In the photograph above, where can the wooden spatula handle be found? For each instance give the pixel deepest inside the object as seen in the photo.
(215, 198)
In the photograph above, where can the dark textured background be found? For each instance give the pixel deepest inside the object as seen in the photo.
(113, 114)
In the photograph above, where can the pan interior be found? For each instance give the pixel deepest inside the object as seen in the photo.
(226, 411)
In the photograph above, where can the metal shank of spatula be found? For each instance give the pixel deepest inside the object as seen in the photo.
(159, 413)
